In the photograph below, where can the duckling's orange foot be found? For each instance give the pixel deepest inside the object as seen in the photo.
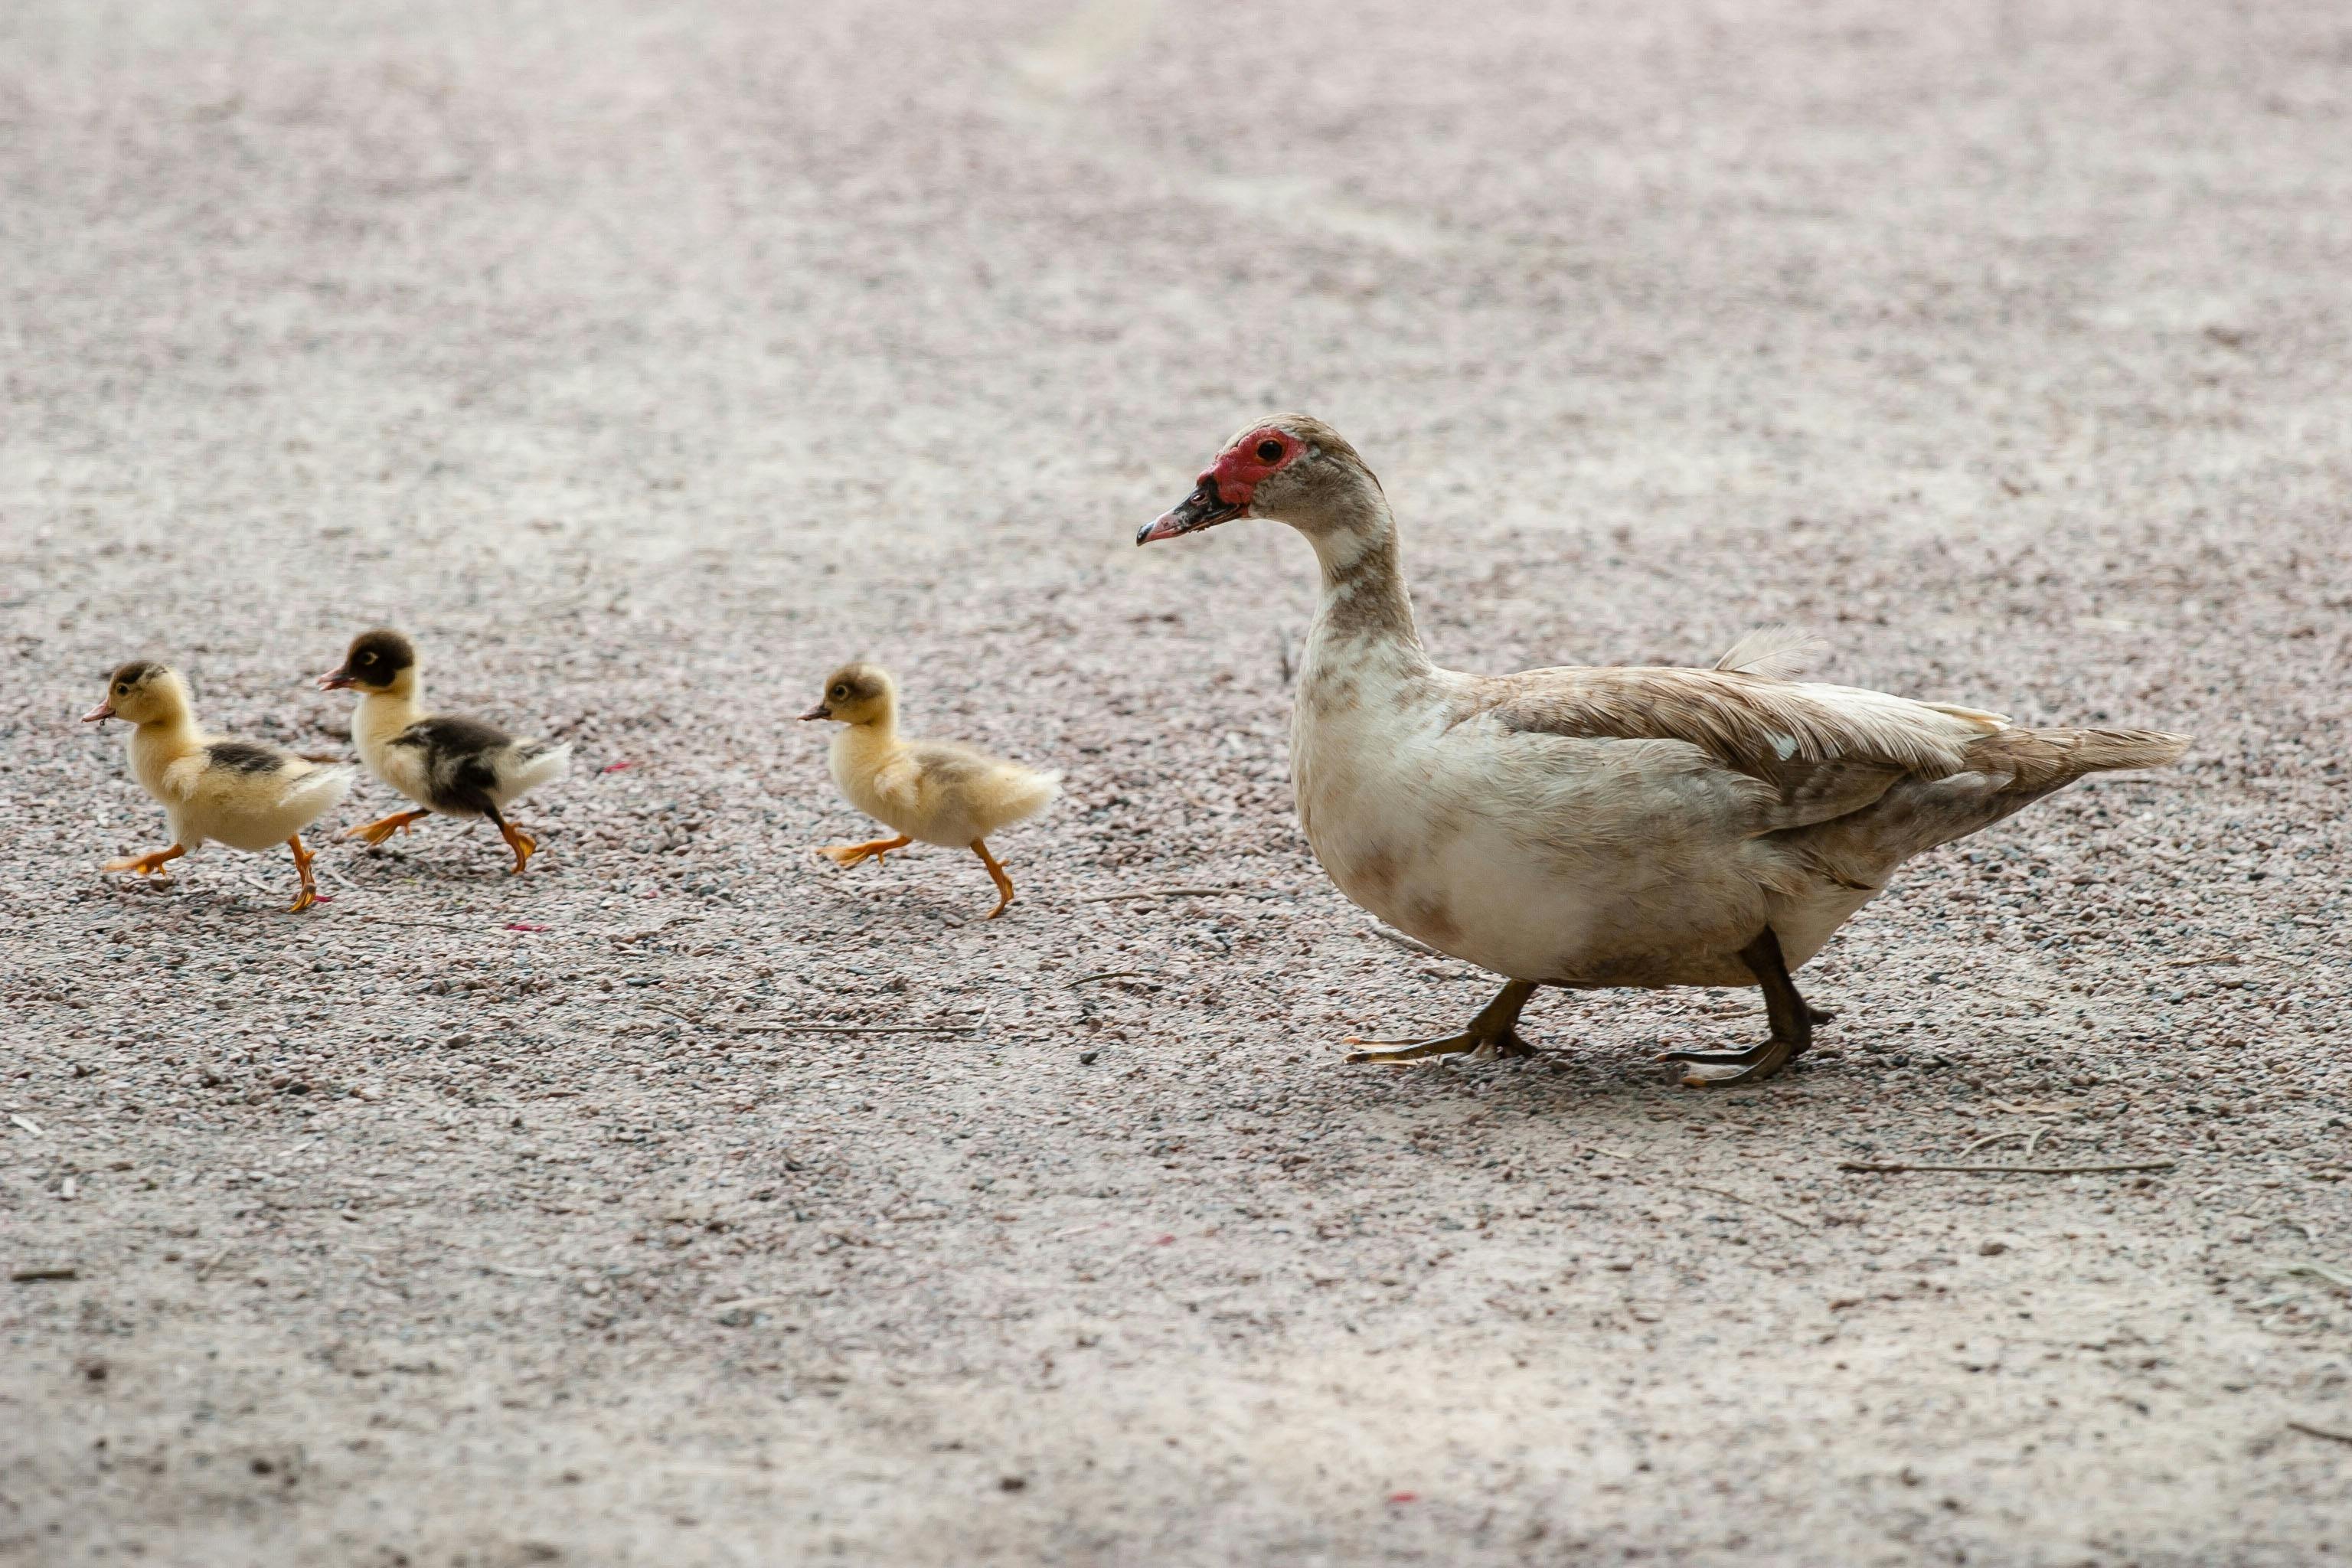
(147, 864)
(879, 849)
(523, 845)
(302, 859)
(996, 874)
(376, 832)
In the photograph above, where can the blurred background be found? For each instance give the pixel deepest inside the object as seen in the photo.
(571, 297)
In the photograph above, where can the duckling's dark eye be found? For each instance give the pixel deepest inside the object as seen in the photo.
(367, 657)
(841, 693)
(1269, 451)
(120, 687)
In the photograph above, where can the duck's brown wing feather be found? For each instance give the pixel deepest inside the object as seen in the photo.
(1755, 724)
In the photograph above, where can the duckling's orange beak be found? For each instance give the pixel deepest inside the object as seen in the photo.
(335, 680)
(1205, 508)
(104, 710)
(819, 711)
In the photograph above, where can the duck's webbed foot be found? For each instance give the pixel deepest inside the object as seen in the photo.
(1756, 1062)
(851, 854)
(1494, 1032)
(147, 864)
(523, 845)
(996, 874)
(1793, 1025)
(309, 893)
(374, 833)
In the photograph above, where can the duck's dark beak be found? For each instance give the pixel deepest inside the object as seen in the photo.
(1204, 508)
(335, 680)
(102, 711)
(819, 711)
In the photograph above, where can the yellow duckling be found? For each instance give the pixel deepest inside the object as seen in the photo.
(442, 762)
(241, 792)
(932, 790)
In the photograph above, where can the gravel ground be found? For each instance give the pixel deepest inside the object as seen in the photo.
(647, 362)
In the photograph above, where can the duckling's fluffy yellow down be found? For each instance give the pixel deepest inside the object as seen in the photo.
(934, 791)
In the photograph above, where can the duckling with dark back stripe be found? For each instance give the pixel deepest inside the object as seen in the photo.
(445, 763)
(240, 792)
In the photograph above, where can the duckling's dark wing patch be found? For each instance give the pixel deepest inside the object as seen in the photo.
(453, 736)
(245, 757)
(459, 770)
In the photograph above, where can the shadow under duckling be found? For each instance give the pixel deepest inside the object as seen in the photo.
(932, 790)
(243, 793)
(443, 761)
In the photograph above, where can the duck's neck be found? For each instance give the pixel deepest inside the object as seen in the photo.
(166, 740)
(872, 737)
(1365, 609)
(383, 714)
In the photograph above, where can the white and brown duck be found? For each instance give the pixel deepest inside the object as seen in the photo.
(1587, 828)
(446, 762)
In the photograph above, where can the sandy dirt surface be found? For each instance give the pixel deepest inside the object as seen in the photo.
(644, 362)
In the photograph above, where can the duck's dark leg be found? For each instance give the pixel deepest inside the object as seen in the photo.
(521, 843)
(1495, 1029)
(1792, 1024)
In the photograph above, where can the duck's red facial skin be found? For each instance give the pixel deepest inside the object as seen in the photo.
(1224, 491)
(1243, 466)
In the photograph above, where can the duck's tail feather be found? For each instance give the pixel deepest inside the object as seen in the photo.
(537, 762)
(1028, 795)
(320, 791)
(2008, 771)
(2041, 760)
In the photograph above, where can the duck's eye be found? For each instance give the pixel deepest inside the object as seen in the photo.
(367, 658)
(122, 688)
(841, 694)
(1269, 451)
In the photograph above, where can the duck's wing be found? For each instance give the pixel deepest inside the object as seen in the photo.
(449, 735)
(452, 762)
(1753, 723)
(220, 764)
(1820, 752)
(181, 778)
(898, 783)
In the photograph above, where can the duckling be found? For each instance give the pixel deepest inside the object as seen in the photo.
(244, 793)
(454, 765)
(932, 790)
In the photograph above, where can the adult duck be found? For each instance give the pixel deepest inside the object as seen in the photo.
(1587, 828)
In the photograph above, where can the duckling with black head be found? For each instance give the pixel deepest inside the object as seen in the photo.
(244, 793)
(935, 791)
(446, 762)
